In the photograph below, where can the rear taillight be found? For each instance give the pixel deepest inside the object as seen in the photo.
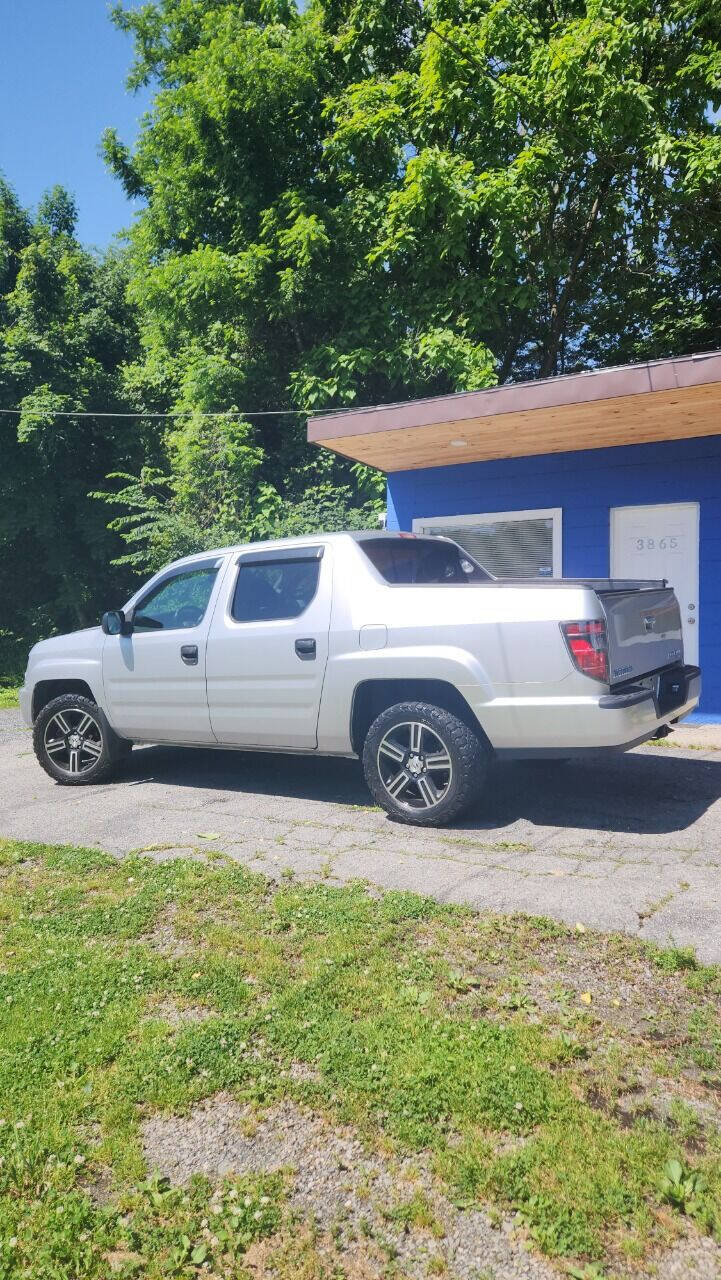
(588, 646)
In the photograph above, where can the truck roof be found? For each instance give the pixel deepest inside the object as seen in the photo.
(608, 585)
(306, 539)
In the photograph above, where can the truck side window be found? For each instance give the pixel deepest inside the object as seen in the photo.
(426, 561)
(271, 591)
(176, 602)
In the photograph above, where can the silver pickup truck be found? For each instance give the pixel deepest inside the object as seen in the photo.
(399, 649)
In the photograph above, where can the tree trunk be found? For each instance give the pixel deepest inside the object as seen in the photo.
(560, 306)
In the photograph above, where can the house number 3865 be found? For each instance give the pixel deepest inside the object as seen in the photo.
(657, 544)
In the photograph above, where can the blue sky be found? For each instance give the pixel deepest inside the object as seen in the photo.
(62, 81)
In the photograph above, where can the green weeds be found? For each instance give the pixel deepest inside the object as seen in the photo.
(8, 696)
(418, 1023)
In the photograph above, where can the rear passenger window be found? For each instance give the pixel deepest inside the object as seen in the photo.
(270, 591)
(427, 561)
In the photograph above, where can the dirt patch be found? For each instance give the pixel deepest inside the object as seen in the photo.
(178, 1015)
(627, 992)
(371, 1207)
(120, 1260)
(163, 936)
(304, 1073)
(98, 1184)
(361, 1211)
(620, 990)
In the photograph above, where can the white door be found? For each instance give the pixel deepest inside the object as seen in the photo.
(154, 679)
(662, 542)
(267, 650)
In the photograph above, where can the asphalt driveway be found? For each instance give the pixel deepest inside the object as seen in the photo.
(631, 843)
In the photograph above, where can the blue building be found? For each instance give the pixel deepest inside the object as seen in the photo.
(615, 472)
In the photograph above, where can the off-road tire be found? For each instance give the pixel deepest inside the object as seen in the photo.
(470, 760)
(107, 748)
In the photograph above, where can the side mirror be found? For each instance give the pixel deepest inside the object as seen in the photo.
(115, 623)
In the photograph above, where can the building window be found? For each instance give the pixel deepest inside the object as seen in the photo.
(510, 544)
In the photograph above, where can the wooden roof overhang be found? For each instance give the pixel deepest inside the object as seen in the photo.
(632, 404)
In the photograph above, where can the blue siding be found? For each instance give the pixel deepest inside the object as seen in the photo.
(586, 485)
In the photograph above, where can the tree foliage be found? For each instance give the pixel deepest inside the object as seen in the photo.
(66, 328)
(378, 198)
(370, 200)
(362, 201)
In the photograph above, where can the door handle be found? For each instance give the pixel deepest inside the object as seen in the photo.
(305, 649)
(189, 654)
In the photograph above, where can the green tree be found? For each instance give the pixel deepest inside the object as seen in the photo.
(376, 199)
(381, 198)
(360, 202)
(66, 329)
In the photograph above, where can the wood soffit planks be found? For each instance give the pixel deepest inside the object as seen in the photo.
(420, 434)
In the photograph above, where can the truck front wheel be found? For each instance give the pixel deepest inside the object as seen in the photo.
(74, 742)
(423, 765)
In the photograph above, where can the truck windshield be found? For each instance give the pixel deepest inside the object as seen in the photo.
(403, 561)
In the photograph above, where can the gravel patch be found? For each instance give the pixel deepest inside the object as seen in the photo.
(352, 1197)
(695, 737)
(346, 1190)
(695, 1258)
(12, 728)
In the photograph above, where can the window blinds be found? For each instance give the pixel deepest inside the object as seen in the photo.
(517, 548)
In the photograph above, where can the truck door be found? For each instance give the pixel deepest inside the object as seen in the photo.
(154, 679)
(268, 648)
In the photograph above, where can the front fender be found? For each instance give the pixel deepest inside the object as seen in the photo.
(64, 660)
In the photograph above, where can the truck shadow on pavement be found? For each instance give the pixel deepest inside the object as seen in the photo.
(642, 792)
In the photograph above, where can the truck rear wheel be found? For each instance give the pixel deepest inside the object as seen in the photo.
(74, 742)
(423, 765)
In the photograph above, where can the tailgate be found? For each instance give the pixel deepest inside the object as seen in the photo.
(644, 631)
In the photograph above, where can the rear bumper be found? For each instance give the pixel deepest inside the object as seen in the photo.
(565, 726)
(670, 690)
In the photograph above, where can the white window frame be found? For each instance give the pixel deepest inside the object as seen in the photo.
(427, 524)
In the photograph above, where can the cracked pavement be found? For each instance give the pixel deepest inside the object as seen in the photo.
(629, 842)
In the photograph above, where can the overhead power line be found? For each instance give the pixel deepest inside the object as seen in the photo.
(181, 413)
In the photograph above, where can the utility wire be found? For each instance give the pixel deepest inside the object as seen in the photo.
(184, 413)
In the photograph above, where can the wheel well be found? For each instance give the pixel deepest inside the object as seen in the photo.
(46, 690)
(373, 696)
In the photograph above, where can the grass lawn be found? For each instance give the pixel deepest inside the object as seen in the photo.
(8, 696)
(570, 1079)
